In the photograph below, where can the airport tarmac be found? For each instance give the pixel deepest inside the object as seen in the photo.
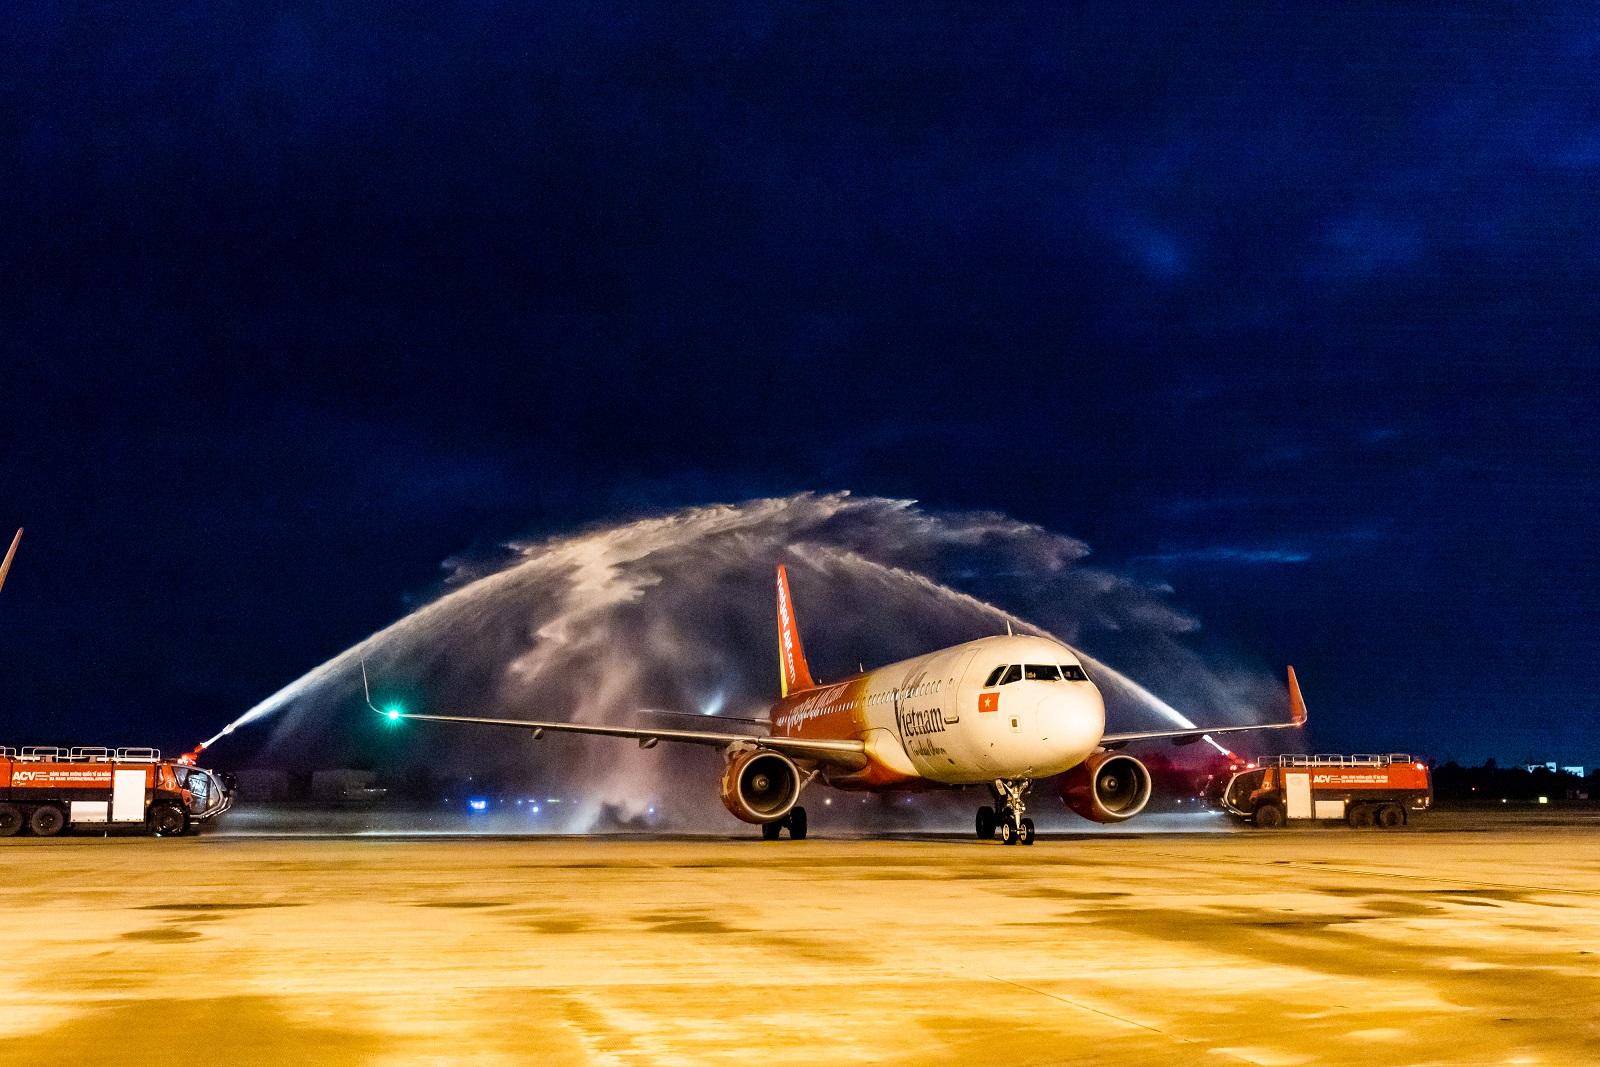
(1478, 942)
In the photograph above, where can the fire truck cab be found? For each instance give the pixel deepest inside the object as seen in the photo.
(1362, 790)
(45, 790)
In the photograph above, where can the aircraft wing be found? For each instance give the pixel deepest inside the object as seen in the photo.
(1297, 717)
(847, 754)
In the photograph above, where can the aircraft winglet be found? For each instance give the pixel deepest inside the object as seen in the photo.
(11, 553)
(1297, 703)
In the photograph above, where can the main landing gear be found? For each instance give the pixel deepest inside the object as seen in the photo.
(794, 822)
(1006, 818)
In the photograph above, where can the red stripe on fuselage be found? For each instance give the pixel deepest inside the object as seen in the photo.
(838, 712)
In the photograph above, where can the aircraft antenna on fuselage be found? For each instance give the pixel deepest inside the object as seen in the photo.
(1008, 629)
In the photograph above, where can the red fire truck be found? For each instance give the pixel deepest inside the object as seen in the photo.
(44, 790)
(1362, 790)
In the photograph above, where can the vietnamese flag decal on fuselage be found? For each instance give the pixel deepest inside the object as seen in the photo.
(988, 701)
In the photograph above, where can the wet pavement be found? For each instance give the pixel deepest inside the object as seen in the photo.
(1475, 942)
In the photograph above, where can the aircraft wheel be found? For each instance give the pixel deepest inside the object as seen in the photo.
(1008, 833)
(1027, 831)
(10, 820)
(1269, 817)
(797, 824)
(986, 823)
(47, 820)
(168, 820)
(1391, 816)
(770, 831)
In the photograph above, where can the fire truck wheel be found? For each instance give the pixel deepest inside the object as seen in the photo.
(10, 820)
(47, 820)
(1008, 833)
(986, 823)
(1359, 816)
(1391, 816)
(1269, 817)
(1027, 831)
(168, 820)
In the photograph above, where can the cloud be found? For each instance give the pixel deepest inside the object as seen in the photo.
(1362, 245)
(1157, 251)
(1231, 554)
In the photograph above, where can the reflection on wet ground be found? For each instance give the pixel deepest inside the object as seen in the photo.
(1478, 942)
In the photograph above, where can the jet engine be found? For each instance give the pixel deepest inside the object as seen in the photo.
(1107, 787)
(759, 785)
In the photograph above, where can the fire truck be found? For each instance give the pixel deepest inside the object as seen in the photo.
(45, 790)
(1362, 790)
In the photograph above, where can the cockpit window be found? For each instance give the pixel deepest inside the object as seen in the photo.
(994, 677)
(1013, 674)
(1073, 673)
(1042, 672)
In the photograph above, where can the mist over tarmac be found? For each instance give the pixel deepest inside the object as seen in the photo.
(675, 612)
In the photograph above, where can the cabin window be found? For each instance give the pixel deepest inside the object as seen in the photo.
(1042, 672)
(1073, 673)
(994, 677)
(1013, 674)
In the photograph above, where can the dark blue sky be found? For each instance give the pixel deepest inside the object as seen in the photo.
(1295, 311)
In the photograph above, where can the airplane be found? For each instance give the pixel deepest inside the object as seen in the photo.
(1000, 712)
(11, 554)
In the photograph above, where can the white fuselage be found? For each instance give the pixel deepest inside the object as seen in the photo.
(945, 718)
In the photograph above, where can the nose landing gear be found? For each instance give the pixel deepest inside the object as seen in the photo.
(1006, 818)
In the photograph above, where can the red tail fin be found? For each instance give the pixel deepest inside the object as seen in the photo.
(793, 673)
(1297, 703)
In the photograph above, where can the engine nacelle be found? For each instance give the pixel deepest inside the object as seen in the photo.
(759, 785)
(1107, 787)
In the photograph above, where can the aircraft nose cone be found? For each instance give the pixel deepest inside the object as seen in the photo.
(1071, 723)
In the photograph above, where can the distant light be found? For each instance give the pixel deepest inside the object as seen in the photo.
(519, 803)
(478, 803)
(826, 801)
(1544, 800)
(535, 809)
(393, 714)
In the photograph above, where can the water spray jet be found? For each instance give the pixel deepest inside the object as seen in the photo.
(674, 613)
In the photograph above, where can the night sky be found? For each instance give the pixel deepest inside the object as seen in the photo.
(1295, 312)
